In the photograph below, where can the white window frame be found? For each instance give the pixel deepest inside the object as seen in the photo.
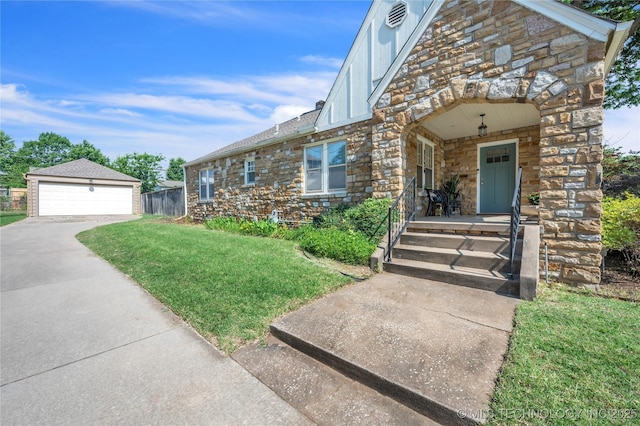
(209, 185)
(324, 167)
(248, 162)
(422, 158)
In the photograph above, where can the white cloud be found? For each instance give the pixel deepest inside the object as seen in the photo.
(10, 93)
(270, 17)
(305, 88)
(622, 128)
(206, 12)
(201, 115)
(323, 60)
(283, 113)
(181, 105)
(119, 111)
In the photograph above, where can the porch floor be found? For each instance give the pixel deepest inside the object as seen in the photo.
(485, 218)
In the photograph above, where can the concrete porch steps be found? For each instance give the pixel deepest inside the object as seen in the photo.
(433, 347)
(455, 257)
(482, 279)
(458, 227)
(493, 244)
(468, 254)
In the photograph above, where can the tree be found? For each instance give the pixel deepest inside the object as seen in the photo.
(145, 167)
(175, 170)
(623, 81)
(50, 149)
(620, 172)
(89, 152)
(7, 152)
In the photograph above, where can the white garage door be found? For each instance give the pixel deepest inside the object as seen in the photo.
(65, 199)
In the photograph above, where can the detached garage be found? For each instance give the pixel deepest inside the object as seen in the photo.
(80, 188)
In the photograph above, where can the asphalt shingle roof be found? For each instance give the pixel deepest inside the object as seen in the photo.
(288, 128)
(82, 168)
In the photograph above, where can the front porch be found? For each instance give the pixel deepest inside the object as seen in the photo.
(445, 152)
(475, 220)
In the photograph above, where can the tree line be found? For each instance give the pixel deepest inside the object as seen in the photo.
(51, 149)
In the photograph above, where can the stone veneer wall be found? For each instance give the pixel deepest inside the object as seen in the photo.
(279, 176)
(498, 51)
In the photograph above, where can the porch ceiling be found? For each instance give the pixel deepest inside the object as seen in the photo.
(464, 119)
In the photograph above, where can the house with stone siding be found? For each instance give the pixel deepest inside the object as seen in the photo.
(420, 80)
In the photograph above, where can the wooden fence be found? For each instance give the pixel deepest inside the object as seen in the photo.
(13, 199)
(168, 202)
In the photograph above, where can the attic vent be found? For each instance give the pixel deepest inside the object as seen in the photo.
(397, 14)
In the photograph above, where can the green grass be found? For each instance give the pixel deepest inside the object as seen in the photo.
(573, 359)
(10, 217)
(229, 287)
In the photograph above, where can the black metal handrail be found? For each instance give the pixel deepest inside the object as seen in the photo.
(515, 220)
(401, 212)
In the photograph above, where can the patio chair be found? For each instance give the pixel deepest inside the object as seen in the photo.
(438, 202)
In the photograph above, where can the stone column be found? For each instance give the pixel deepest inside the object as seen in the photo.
(570, 178)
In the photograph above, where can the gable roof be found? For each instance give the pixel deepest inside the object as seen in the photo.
(82, 168)
(304, 124)
(374, 50)
(379, 51)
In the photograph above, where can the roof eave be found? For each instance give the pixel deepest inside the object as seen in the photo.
(616, 42)
(343, 68)
(422, 26)
(28, 175)
(614, 34)
(303, 131)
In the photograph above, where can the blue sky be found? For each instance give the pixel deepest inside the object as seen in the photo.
(179, 78)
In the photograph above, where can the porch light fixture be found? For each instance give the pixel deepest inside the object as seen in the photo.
(482, 129)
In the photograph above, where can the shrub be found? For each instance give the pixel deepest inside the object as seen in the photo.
(334, 218)
(344, 233)
(366, 217)
(621, 228)
(230, 224)
(345, 246)
(534, 198)
(260, 228)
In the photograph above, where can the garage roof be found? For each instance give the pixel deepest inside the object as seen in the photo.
(82, 168)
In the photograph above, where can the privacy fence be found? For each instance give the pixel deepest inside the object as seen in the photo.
(168, 202)
(13, 199)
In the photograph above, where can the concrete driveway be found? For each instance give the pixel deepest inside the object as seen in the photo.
(83, 344)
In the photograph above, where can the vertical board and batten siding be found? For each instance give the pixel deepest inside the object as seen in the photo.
(168, 202)
(371, 55)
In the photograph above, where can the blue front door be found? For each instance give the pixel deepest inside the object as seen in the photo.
(497, 178)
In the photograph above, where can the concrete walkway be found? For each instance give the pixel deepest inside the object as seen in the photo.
(83, 344)
(436, 348)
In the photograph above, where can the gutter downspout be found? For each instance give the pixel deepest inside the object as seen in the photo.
(184, 189)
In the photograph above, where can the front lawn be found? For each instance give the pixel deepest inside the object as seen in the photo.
(573, 359)
(10, 217)
(228, 287)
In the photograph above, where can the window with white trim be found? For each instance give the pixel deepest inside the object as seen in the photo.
(206, 185)
(424, 173)
(325, 167)
(249, 171)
